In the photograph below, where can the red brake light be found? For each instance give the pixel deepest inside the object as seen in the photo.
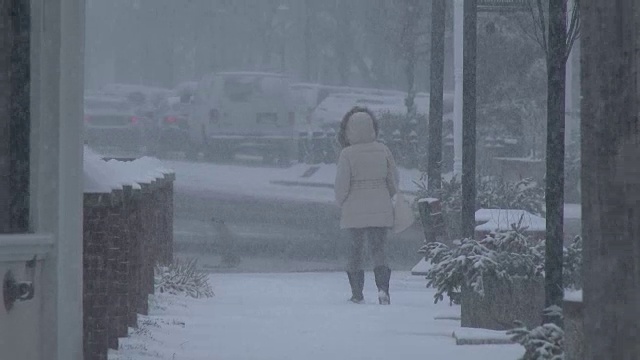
(171, 119)
(135, 119)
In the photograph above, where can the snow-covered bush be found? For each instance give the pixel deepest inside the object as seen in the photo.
(183, 278)
(572, 169)
(504, 255)
(525, 194)
(572, 265)
(450, 194)
(545, 342)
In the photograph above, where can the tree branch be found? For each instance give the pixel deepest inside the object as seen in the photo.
(543, 25)
(575, 25)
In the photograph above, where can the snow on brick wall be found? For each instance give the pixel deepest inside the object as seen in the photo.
(126, 233)
(102, 176)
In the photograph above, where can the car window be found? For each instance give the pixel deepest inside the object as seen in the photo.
(244, 88)
(240, 88)
(104, 104)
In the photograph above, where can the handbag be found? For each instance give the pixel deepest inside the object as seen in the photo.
(403, 216)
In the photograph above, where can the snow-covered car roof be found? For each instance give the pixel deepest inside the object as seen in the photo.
(150, 95)
(374, 92)
(250, 73)
(102, 103)
(332, 109)
(128, 88)
(187, 85)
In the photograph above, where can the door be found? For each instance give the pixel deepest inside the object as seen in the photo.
(41, 70)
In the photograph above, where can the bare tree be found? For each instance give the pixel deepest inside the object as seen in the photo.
(343, 35)
(534, 22)
(409, 40)
(554, 192)
(548, 26)
(308, 39)
(611, 178)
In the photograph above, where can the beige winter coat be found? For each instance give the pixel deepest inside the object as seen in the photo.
(366, 178)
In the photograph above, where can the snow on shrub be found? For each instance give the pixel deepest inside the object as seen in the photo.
(525, 194)
(183, 278)
(572, 265)
(504, 255)
(545, 342)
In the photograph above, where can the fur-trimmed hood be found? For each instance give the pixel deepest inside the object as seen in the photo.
(345, 138)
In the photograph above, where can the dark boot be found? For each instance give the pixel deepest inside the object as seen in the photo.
(383, 274)
(356, 280)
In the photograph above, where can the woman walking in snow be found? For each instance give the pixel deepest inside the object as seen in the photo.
(366, 180)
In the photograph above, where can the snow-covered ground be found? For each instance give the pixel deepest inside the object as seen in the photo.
(302, 316)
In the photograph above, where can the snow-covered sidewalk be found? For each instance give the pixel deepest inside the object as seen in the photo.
(302, 316)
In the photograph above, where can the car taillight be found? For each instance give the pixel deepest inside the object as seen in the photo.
(292, 118)
(135, 119)
(170, 119)
(214, 116)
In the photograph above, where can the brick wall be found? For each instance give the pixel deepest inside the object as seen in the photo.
(126, 233)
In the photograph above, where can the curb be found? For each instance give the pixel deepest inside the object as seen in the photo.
(318, 185)
(472, 336)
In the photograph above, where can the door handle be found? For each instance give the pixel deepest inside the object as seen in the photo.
(14, 290)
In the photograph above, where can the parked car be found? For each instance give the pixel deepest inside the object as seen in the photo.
(247, 112)
(112, 125)
(174, 127)
(147, 100)
(186, 90)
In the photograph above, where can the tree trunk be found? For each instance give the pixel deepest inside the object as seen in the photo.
(556, 63)
(434, 169)
(409, 42)
(611, 178)
(468, 212)
(308, 39)
(342, 41)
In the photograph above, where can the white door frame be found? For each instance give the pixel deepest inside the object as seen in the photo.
(57, 73)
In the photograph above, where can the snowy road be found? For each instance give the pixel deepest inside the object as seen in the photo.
(294, 226)
(290, 233)
(302, 316)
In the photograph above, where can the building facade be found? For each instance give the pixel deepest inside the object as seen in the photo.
(41, 88)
